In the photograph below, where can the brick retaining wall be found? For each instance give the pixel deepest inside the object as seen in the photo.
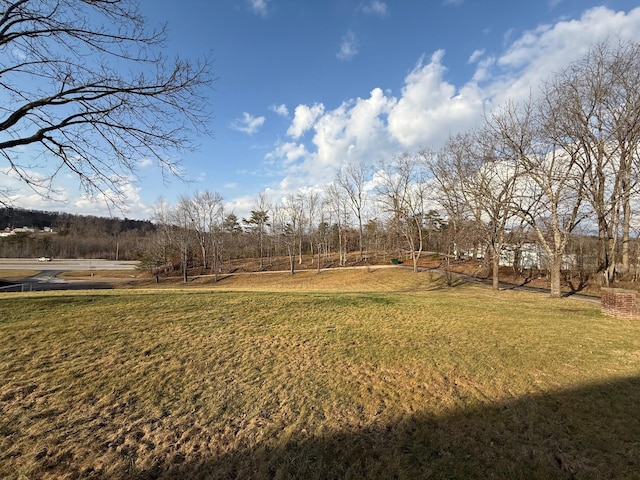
(619, 303)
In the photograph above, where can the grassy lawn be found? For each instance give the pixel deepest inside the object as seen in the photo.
(361, 374)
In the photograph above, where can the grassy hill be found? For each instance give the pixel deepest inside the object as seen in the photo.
(373, 373)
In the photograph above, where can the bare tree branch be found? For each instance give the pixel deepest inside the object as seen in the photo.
(87, 89)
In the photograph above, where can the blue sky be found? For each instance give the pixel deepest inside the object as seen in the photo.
(306, 86)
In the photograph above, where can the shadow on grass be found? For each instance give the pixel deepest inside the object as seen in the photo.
(442, 280)
(48, 286)
(587, 433)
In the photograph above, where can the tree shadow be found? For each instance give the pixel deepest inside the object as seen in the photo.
(27, 285)
(591, 432)
(579, 285)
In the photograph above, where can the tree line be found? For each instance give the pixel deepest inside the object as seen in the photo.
(70, 236)
(559, 170)
(564, 163)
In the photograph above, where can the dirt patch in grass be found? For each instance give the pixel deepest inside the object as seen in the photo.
(336, 380)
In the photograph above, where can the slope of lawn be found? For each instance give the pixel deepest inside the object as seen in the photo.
(362, 374)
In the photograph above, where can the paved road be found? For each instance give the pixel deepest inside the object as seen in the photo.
(65, 265)
(46, 278)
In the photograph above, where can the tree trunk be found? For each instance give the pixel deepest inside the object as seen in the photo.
(215, 262)
(626, 227)
(361, 238)
(300, 250)
(495, 269)
(185, 272)
(554, 272)
(341, 247)
(292, 258)
(610, 266)
(203, 251)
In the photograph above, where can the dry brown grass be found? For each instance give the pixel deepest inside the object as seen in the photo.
(101, 274)
(15, 275)
(365, 374)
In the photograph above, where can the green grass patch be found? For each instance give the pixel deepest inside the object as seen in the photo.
(382, 374)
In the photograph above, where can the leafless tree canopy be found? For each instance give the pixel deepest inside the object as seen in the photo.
(85, 88)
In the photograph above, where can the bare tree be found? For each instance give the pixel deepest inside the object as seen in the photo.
(352, 179)
(182, 232)
(313, 204)
(600, 100)
(288, 221)
(258, 223)
(323, 229)
(158, 247)
(477, 181)
(87, 87)
(447, 192)
(403, 191)
(206, 215)
(297, 215)
(549, 190)
(337, 203)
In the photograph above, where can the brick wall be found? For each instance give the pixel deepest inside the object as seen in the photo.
(619, 303)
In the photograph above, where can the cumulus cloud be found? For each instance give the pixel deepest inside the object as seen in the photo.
(247, 124)
(259, 7)
(429, 107)
(289, 151)
(475, 56)
(304, 118)
(281, 110)
(348, 47)
(375, 7)
(542, 52)
(354, 130)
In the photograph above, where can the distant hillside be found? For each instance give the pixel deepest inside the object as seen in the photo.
(65, 222)
(73, 236)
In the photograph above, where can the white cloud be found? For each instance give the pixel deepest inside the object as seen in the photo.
(375, 7)
(247, 124)
(281, 110)
(475, 56)
(484, 69)
(96, 204)
(241, 206)
(348, 47)
(354, 131)
(547, 49)
(259, 7)
(64, 195)
(304, 118)
(430, 107)
(145, 162)
(289, 151)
